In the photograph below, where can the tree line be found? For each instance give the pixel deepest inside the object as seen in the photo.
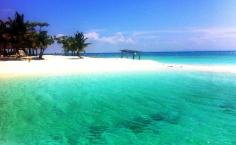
(31, 37)
(18, 34)
(73, 44)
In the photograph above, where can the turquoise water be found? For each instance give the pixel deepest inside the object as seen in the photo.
(192, 57)
(195, 58)
(148, 108)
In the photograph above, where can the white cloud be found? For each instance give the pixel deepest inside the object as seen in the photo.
(211, 38)
(211, 30)
(224, 37)
(59, 35)
(92, 35)
(198, 35)
(113, 39)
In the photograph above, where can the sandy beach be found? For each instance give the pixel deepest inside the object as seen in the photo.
(60, 65)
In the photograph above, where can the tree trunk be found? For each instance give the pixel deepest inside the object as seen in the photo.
(4, 52)
(29, 51)
(78, 54)
(41, 53)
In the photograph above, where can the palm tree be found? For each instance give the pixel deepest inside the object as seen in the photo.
(16, 34)
(32, 43)
(44, 41)
(74, 44)
(34, 39)
(80, 42)
(39, 24)
(63, 40)
(18, 31)
(2, 39)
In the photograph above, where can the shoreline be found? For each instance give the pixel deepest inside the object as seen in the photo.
(63, 65)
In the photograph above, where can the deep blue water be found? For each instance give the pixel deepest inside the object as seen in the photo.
(194, 57)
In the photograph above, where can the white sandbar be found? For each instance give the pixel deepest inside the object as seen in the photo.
(60, 65)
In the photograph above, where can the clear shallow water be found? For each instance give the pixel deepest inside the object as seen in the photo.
(195, 58)
(122, 109)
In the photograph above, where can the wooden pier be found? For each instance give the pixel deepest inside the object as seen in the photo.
(133, 53)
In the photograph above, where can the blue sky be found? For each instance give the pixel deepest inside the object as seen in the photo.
(147, 25)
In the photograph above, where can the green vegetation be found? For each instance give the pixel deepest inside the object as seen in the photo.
(74, 44)
(17, 34)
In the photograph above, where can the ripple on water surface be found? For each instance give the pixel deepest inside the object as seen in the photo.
(120, 108)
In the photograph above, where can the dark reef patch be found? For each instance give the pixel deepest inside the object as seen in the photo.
(57, 138)
(172, 117)
(157, 117)
(137, 124)
(95, 132)
(227, 108)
